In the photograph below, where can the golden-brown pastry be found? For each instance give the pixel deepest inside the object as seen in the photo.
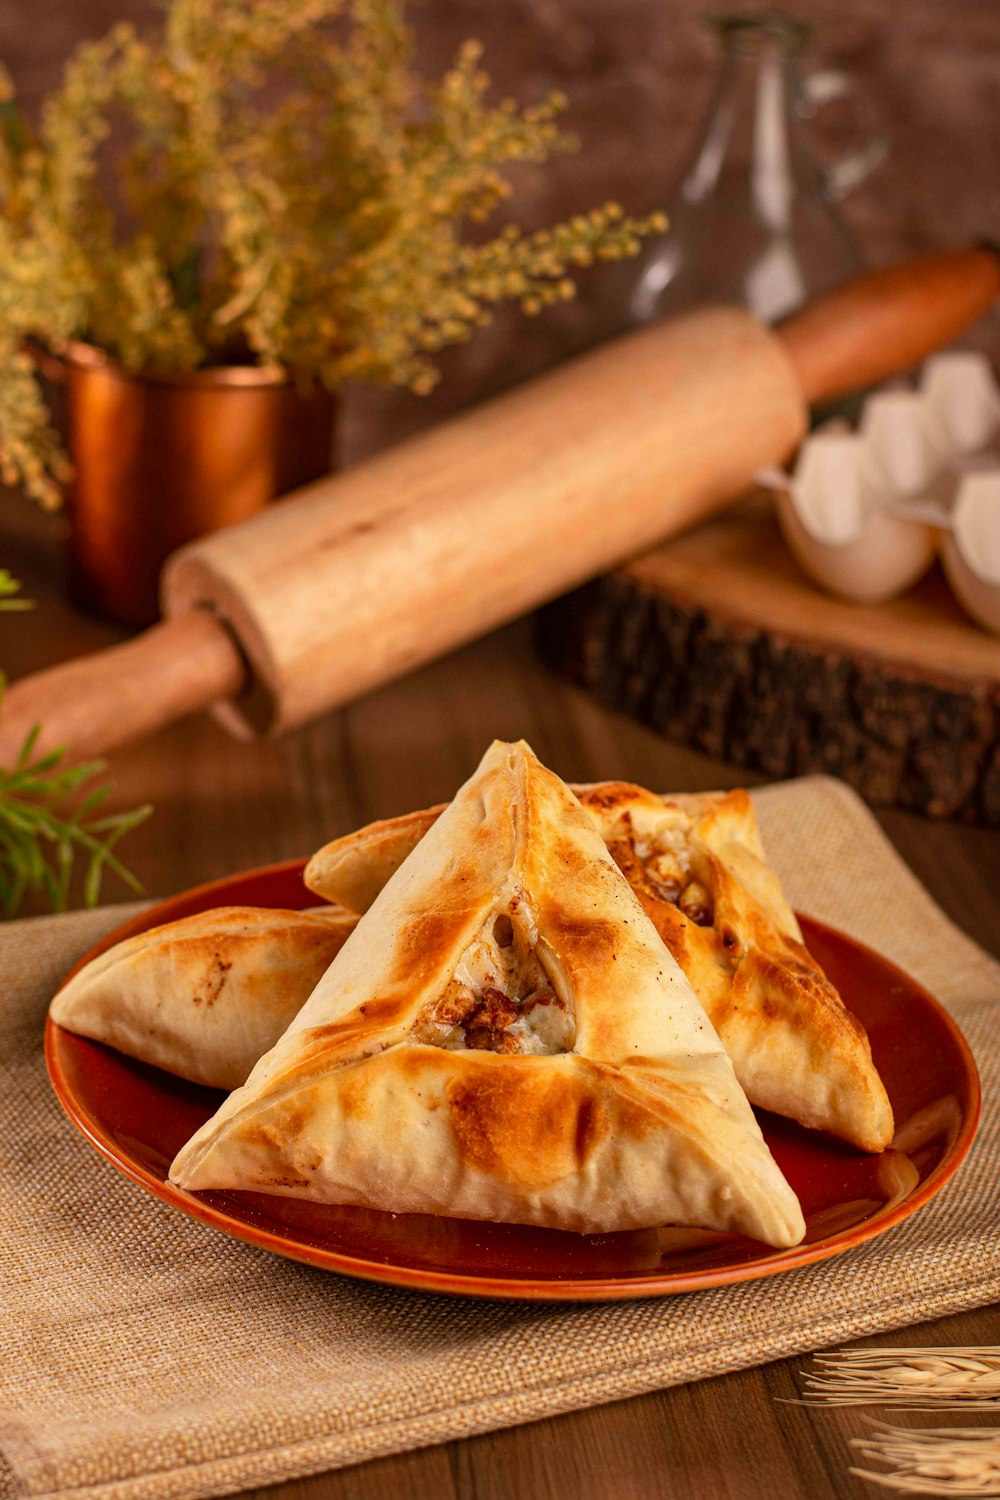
(504, 1036)
(697, 865)
(358, 865)
(204, 997)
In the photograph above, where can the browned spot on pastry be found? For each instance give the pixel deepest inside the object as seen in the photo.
(594, 938)
(325, 1047)
(669, 921)
(589, 1128)
(355, 1101)
(378, 1014)
(523, 1124)
(803, 958)
(414, 1063)
(324, 1042)
(295, 1114)
(733, 812)
(212, 985)
(608, 795)
(280, 1135)
(381, 1012)
(420, 945)
(266, 1134)
(799, 995)
(642, 1105)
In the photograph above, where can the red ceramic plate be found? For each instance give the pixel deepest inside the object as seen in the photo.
(139, 1117)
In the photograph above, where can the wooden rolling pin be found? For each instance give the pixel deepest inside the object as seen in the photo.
(364, 575)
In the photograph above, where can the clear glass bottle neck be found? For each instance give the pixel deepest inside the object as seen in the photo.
(752, 127)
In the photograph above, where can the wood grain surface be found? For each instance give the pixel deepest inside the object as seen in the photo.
(223, 806)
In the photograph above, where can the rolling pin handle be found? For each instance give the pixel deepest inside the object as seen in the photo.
(886, 321)
(96, 703)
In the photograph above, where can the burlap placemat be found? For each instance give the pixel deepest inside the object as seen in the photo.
(144, 1355)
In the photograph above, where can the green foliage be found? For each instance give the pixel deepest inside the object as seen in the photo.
(40, 839)
(281, 189)
(10, 588)
(39, 844)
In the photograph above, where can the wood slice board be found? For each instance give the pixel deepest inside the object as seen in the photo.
(716, 639)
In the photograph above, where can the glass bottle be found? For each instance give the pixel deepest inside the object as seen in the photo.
(755, 218)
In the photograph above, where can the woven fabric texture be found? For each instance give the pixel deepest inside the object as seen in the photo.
(144, 1356)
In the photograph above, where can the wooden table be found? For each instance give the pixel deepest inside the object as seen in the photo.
(222, 806)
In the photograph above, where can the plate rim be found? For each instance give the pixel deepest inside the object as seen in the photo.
(497, 1287)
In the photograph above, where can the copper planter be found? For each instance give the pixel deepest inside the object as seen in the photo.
(161, 459)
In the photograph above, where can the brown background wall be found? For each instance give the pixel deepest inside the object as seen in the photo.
(638, 73)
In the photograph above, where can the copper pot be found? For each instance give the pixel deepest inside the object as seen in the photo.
(160, 459)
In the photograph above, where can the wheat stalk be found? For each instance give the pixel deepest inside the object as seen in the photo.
(933, 1460)
(915, 1379)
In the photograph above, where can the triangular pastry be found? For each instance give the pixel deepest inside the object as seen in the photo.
(206, 996)
(697, 865)
(504, 1036)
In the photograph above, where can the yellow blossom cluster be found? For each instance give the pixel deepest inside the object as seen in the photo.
(267, 182)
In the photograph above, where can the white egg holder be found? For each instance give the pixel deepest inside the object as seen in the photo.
(865, 512)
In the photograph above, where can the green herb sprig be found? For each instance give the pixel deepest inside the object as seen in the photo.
(40, 839)
(10, 589)
(38, 847)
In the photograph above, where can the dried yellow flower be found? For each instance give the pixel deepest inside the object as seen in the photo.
(284, 190)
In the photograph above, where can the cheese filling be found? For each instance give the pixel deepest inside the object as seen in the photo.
(659, 861)
(500, 1000)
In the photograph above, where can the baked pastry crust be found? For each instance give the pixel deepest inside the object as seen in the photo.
(697, 865)
(204, 997)
(625, 1114)
(358, 865)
